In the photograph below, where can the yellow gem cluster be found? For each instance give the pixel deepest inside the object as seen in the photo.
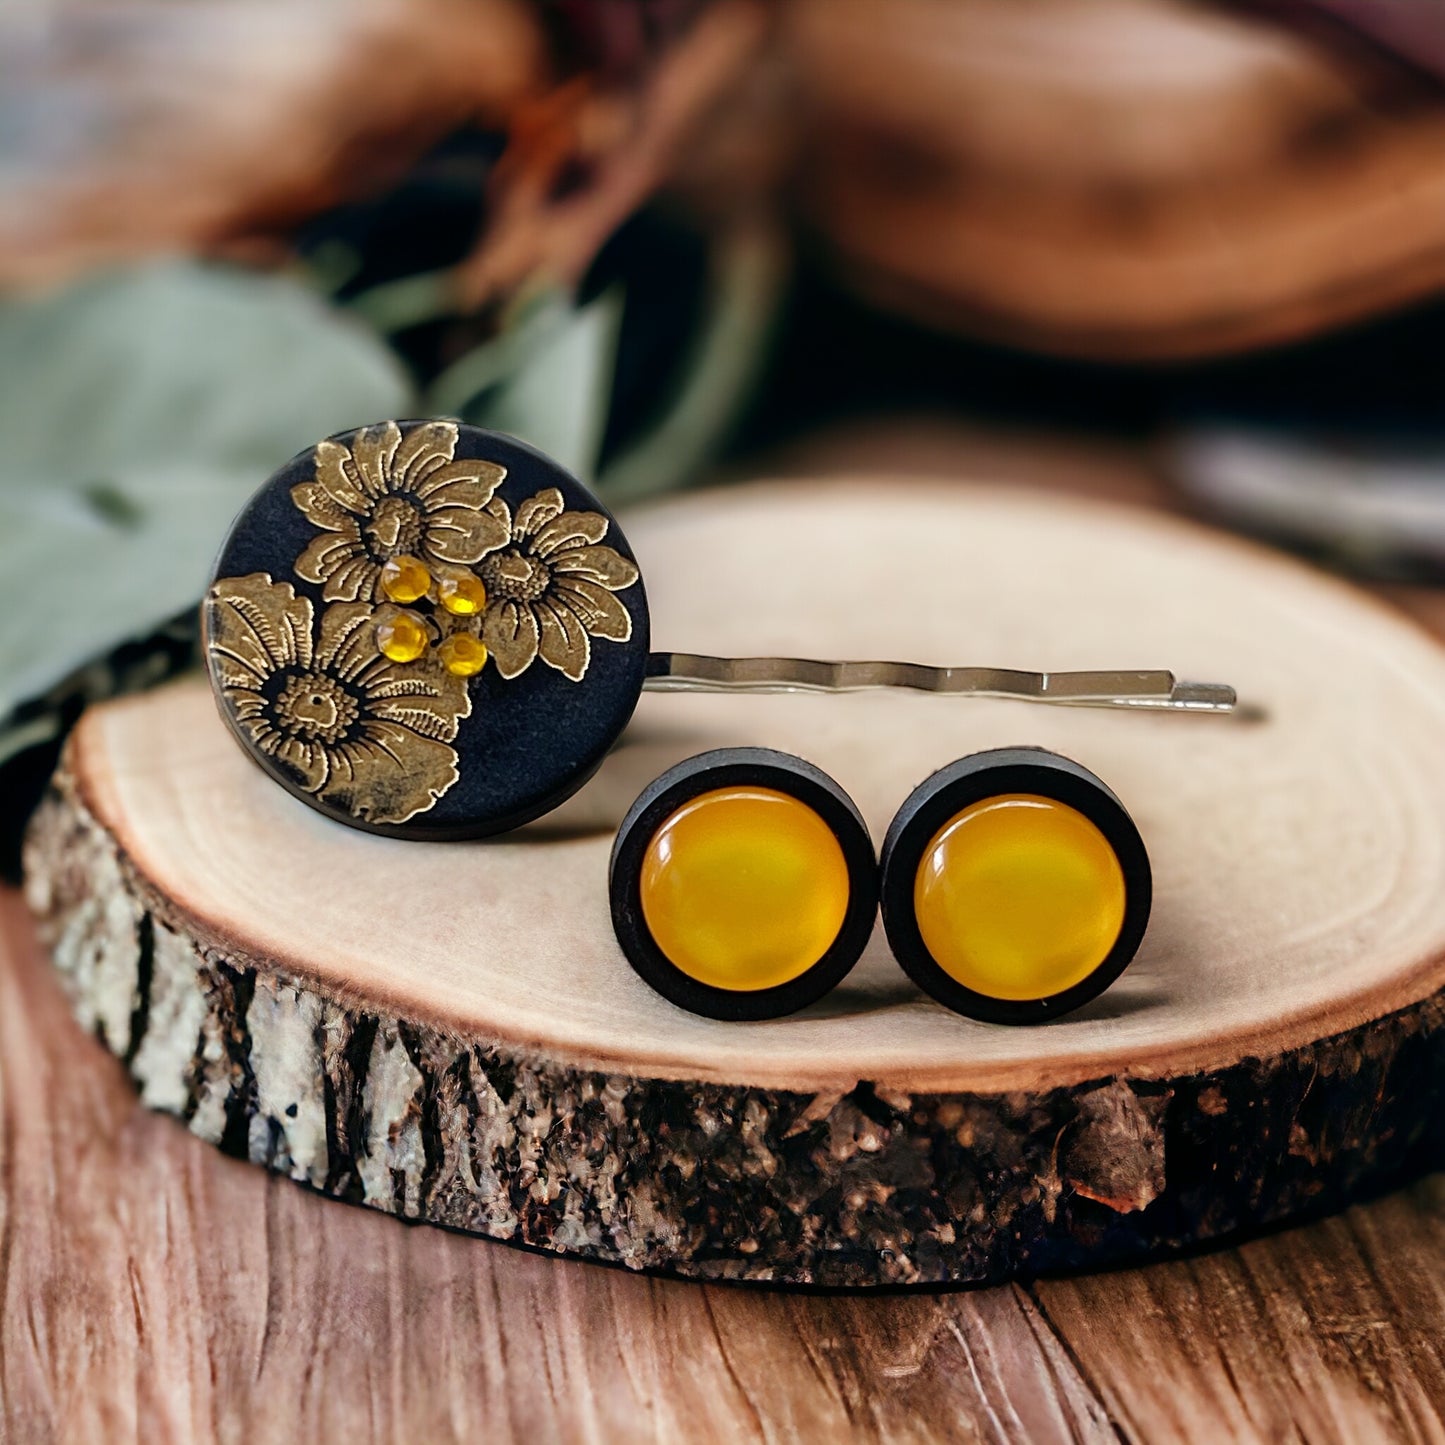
(403, 635)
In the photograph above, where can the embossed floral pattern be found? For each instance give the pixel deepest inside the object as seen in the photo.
(550, 587)
(391, 494)
(357, 731)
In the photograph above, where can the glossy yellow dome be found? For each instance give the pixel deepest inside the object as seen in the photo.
(1019, 897)
(744, 888)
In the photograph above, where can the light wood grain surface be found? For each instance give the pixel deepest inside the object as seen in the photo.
(1249, 952)
(450, 1033)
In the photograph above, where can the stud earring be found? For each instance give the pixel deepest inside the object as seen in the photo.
(431, 631)
(743, 884)
(1015, 886)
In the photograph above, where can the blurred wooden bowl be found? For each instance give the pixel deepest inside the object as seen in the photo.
(1118, 178)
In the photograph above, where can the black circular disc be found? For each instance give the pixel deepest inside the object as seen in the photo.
(971, 780)
(299, 607)
(742, 767)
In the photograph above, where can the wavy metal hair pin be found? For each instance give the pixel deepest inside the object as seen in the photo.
(692, 672)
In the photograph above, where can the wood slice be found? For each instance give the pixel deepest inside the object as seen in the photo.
(448, 1031)
(1120, 178)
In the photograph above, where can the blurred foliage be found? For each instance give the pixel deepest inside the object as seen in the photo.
(548, 379)
(612, 385)
(139, 408)
(143, 406)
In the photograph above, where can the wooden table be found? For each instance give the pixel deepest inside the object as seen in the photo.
(151, 1288)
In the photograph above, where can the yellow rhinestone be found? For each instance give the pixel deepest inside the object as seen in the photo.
(405, 579)
(463, 655)
(462, 594)
(402, 636)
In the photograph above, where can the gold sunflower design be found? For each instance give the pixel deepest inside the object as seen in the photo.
(550, 588)
(359, 732)
(391, 494)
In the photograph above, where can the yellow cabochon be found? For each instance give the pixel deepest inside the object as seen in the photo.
(1019, 897)
(744, 888)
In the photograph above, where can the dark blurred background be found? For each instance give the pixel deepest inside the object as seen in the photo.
(1188, 253)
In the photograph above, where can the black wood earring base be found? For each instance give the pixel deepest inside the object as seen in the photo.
(742, 767)
(970, 780)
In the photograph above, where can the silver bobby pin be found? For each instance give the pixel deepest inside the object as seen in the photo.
(690, 672)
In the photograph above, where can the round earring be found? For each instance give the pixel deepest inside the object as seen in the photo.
(743, 884)
(1015, 886)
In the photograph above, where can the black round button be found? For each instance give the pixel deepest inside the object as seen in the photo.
(426, 629)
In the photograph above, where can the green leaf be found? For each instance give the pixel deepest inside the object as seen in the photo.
(138, 412)
(408, 301)
(527, 327)
(547, 379)
(716, 379)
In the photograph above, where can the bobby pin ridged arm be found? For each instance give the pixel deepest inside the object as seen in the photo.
(691, 672)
